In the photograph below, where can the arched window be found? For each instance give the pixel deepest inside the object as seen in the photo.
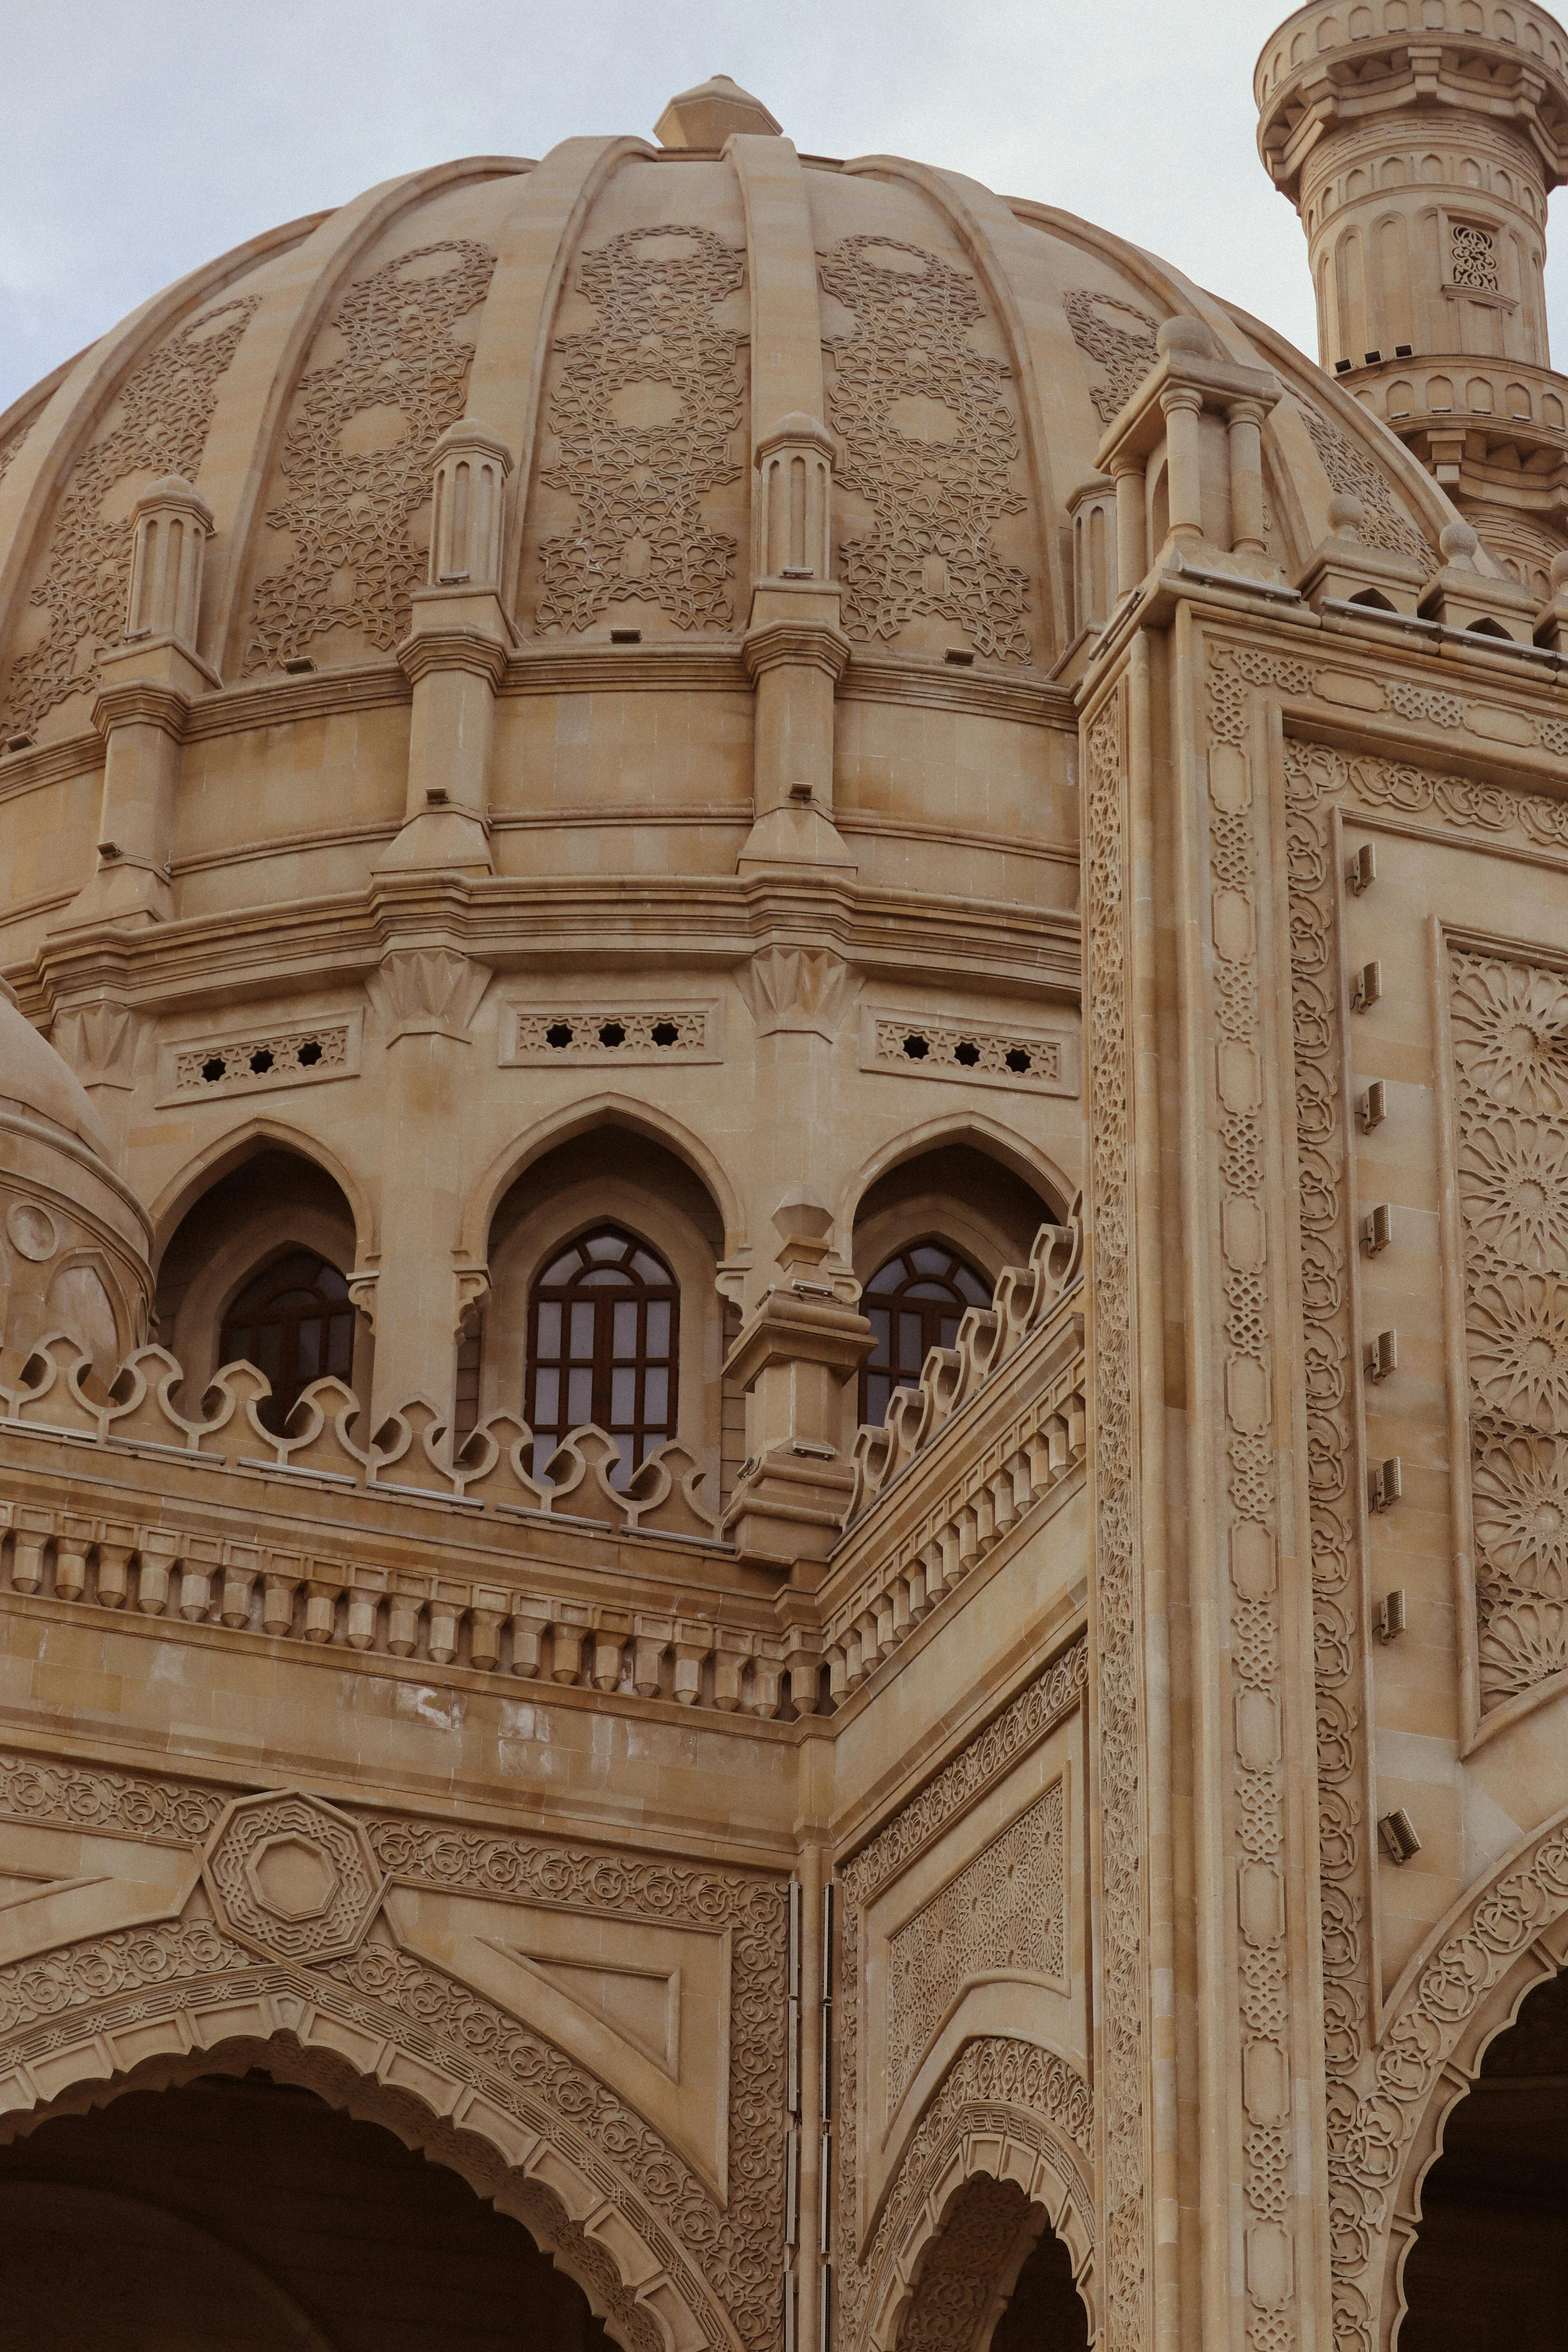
(603, 1331)
(915, 1303)
(295, 1323)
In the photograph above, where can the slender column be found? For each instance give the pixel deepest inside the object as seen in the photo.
(1131, 519)
(1183, 406)
(148, 684)
(456, 652)
(1243, 424)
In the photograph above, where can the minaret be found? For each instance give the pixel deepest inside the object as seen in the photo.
(1419, 140)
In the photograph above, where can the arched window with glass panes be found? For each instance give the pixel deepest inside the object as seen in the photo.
(603, 1332)
(914, 1303)
(295, 1322)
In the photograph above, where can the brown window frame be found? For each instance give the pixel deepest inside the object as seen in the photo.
(237, 1334)
(641, 1434)
(940, 1318)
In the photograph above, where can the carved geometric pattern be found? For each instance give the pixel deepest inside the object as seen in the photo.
(321, 1052)
(1003, 1910)
(1510, 1027)
(610, 1032)
(354, 466)
(1353, 474)
(1029, 2081)
(741, 2247)
(162, 413)
(644, 414)
(918, 1048)
(293, 1877)
(85, 1797)
(929, 441)
(1118, 1613)
(1263, 1985)
(1473, 258)
(1360, 2166)
(1126, 358)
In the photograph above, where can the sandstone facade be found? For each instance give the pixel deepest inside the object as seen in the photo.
(784, 1403)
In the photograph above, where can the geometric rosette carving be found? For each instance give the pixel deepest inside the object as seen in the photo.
(292, 1877)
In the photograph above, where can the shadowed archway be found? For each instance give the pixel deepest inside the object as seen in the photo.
(1489, 2269)
(996, 2279)
(235, 2213)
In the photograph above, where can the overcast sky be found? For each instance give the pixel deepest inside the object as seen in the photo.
(137, 142)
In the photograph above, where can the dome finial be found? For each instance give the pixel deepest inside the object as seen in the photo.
(712, 112)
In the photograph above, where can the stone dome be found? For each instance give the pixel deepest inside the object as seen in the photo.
(599, 313)
(75, 1239)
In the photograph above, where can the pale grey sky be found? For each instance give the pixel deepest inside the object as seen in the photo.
(137, 142)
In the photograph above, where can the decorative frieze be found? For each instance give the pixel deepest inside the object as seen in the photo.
(555, 1034)
(1037, 1061)
(252, 1064)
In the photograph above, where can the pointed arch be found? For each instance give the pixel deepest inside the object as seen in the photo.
(230, 1151)
(1507, 1934)
(579, 1119)
(999, 1142)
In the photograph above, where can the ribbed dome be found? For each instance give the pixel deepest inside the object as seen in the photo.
(630, 321)
(35, 1079)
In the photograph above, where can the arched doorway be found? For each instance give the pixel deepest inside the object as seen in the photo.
(1489, 2269)
(996, 2279)
(237, 2214)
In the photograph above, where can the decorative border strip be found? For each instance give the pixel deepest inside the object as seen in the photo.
(210, 1069)
(912, 1045)
(554, 1036)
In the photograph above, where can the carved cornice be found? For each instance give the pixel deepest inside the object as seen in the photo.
(802, 644)
(471, 650)
(138, 702)
(980, 693)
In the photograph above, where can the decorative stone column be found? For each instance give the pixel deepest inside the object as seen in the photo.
(148, 683)
(1204, 414)
(802, 1344)
(425, 994)
(456, 654)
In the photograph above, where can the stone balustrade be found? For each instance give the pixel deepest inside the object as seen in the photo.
(997, 1424)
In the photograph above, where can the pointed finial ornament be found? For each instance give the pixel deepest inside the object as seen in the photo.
(712, 112)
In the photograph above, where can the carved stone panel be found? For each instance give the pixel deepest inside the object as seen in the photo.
(1509, 1023)
(293, 1877)
(929, 441)
(389, 375)
(1003, 1912)
(642, 423)
(157, 425)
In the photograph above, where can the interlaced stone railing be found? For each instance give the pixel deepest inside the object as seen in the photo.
(996, 1424)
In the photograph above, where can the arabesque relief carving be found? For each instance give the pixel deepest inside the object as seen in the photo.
(1118, 1627)
(1355, 474)
(10, 449)
(735, 2245)
(354, 466)
(1369, 2124)
(930, 441)
(1006, 1909)
(645, 413)
(957, 2283)
(739, 2246)
(158, 424)
(1027, 2080)
(1263, 1986)
(1125, 355)
(1508, 1021)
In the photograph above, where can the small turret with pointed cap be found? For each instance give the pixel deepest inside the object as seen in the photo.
(710, 113)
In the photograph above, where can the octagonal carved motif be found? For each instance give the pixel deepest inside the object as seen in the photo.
(293, 1877)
